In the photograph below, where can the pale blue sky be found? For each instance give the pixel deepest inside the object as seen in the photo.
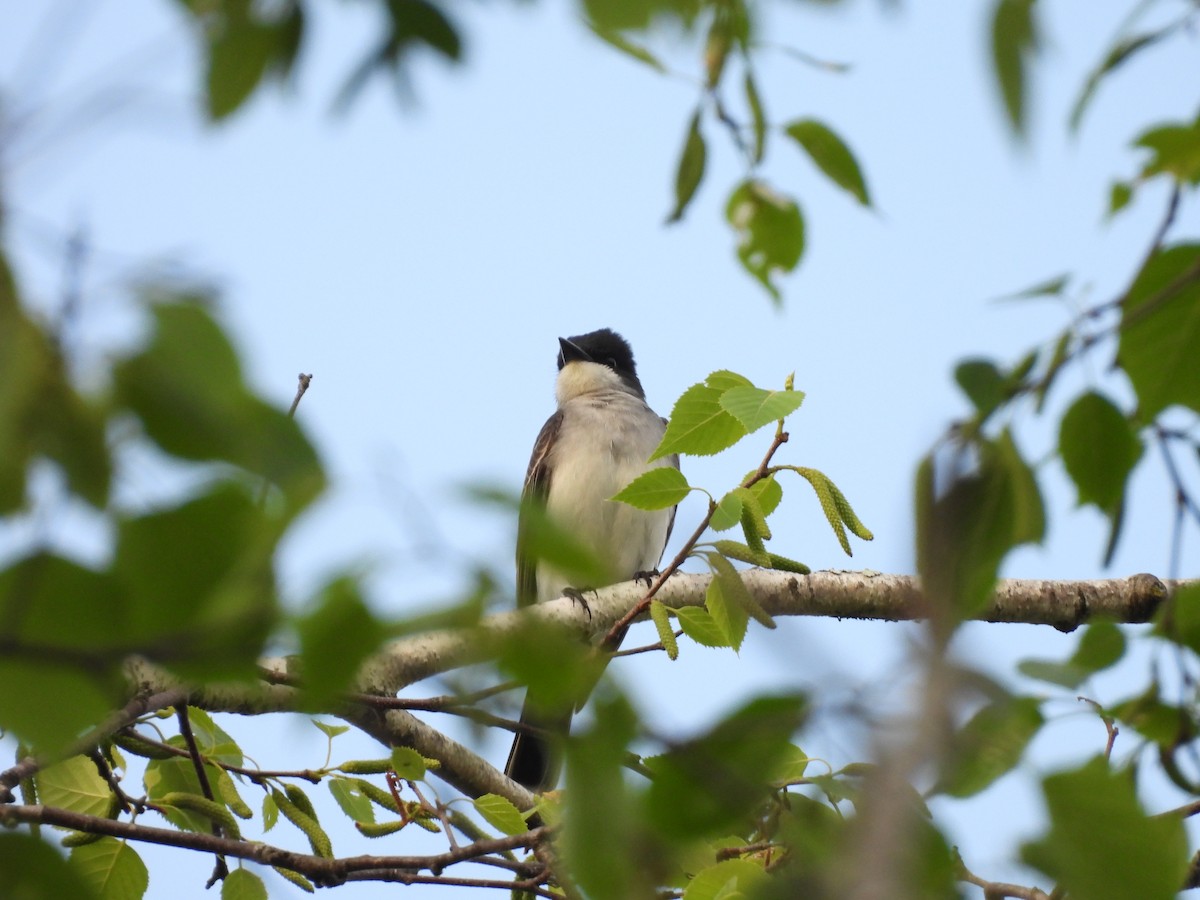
(421, 261)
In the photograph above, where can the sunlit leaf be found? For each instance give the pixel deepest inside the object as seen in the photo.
(659, 488)
(242, 884)
(755, 407)
(501, 814)
(699, 425)
(113, 868)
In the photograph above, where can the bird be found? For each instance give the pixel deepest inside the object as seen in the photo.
(598, 440)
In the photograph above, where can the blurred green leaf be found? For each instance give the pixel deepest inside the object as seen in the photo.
(965, 528)
(831, 156)
(755, 407)
(48, 701)
(1101, 845)
(637, 15)
(691, 168)
(730, 879)
(983, 384)
(990, 744)
(1014, 39)
(1181, 619)
(770, 231)
(501, 814)
(618, 41)
(699, 425)
(242, 884)
(336, 636)
(32, 869)
(758, 119)
(706, 784)
(412, 24)
(186, 387)
(600, 839)
(238, 56)
(211, 556)
(1120, 53)
(656, 489)
(1160, 331)
(113, 868)
(1174, 150)
(1051, 287)
(1101, 646)
(1119, 196)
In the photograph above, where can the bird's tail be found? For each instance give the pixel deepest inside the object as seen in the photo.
(535, 760)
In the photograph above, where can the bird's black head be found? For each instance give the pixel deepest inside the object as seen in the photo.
(605, 347)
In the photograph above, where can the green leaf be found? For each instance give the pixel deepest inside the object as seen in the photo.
(242, 884)
(31, 869)
(730, 879)
(983, 384)
(351, 799)
(599, 840)
(755, 407)
(637, 15)
(1181, 622)
(965, 529)
(178, 776)
(706, 784)
(1175, 151)
(724, 380)
(186, 387)
(659, 615)
(1160, 331)
(1051, 287)
(831, 156)
(769, 229)
(635, 51)
(1099, 449)
(75, 785)
(500, 813)
(1121, 52)
(726, 612)
(735, 590)
(769, 493)
(990, 745)
(270, 812)
(1029, 513)
(330, 731)
(1101, 845)
(335, 638)
(212, 557)
(1065, 674)
(238, 56)
(699, 426)
(1101, 646)
(658, 488)
(701, 627)
(758, 120)
(113, 868)
(728, 512)
(1119, 196)
(691, 168)
(1014, 39)
(408, 763)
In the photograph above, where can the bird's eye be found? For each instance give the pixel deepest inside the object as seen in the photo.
(611, 363)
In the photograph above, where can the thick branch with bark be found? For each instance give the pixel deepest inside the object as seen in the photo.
(1064, 605)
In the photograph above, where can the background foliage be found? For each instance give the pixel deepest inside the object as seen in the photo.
(735, 806)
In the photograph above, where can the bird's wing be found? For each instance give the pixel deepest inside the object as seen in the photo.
(537, 486)
(674, 460)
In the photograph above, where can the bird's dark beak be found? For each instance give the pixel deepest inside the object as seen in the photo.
(569, 352)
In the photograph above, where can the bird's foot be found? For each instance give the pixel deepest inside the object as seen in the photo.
(577, 595)
(647, 576)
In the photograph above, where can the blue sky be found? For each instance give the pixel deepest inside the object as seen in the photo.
(421, 259)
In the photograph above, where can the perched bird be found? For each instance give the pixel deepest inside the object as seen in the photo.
(598, 441)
